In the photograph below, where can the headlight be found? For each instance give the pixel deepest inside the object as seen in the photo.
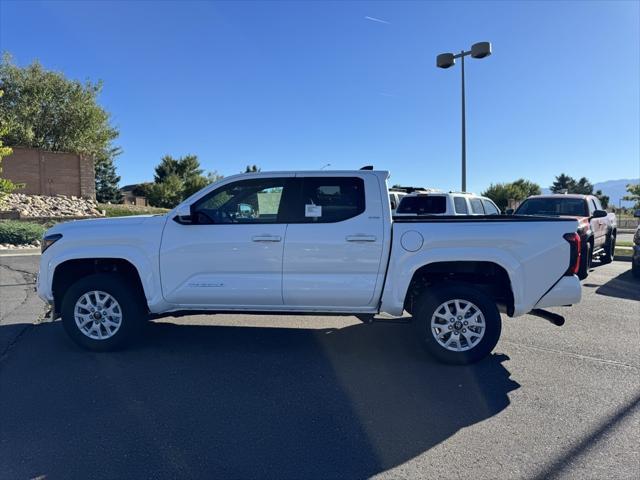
(49, 240)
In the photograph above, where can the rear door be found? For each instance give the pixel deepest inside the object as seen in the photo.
(333, 246)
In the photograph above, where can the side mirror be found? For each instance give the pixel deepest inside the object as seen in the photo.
(509, 211)
(183, 215)
(636, 213)
(599, 214)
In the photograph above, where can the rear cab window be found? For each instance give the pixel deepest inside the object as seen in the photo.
(576, 207)
(423, 205)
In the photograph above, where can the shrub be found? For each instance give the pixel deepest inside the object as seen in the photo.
(20, 233)
(121, 210)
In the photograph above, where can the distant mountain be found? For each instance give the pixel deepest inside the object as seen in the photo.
(615, 189)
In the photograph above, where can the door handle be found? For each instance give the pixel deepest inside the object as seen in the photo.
(361, 238)
(266, 238)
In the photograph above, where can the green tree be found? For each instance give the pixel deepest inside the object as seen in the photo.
(252, 169)
(604, 199)
(582, 186)
(165, 194)
(176, 179)
(634, 194)
(501, 193)
(43, 109)
(6, 185)
(107, 190)
(563, 182)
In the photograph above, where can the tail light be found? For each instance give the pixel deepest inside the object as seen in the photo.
(574, 258)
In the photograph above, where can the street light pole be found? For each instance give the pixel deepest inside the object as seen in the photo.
(464, 133)
(446, 60)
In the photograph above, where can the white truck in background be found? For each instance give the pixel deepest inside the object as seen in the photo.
(308, 242)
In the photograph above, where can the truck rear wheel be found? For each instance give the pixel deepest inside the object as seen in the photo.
(458, 323)
(102, 312)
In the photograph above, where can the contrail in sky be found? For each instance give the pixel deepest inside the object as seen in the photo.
(379, 20)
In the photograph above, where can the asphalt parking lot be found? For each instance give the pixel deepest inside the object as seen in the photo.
(236, 396)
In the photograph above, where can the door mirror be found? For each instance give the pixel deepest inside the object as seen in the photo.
(183, 215)
(599, 214)
(509, 211)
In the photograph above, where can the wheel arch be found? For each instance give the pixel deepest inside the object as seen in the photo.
(69, 271)
(488, 276)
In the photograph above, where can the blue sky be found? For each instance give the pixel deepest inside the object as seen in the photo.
(297, 85)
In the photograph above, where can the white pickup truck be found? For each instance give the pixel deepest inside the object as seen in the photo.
(308, 242)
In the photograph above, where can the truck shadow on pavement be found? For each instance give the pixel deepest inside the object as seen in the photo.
(236, 402)
(622, 286)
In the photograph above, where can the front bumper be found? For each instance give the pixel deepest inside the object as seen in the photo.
(566, 292)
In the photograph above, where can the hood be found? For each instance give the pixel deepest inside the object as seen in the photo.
(102, 224)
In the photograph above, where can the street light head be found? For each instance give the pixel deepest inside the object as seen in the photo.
(481, 49)
(445, 60)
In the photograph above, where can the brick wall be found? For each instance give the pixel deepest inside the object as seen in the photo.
(50, 173)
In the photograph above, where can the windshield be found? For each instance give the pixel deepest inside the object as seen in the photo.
(575, 207)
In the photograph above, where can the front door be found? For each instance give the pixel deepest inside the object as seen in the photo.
(232, 253)
(334, 243)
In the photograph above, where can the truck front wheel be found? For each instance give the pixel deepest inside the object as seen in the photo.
(102, 312)
(459, 323)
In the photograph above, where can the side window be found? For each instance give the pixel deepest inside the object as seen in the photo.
(423, 205)
(392, 199)
(592, 206)
(245, 201)
(330, 199)
(596, 200)
(460, 205)
(476, 206)
(490, 208)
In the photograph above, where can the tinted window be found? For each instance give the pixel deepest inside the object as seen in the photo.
(330, 199)
(392, 199)
(554, 206)
(246, 201)
(460, 205)
(598, 204)
(476, 206)
(490, 208)
(423, 205)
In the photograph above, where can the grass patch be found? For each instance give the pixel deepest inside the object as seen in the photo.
(121, 210)
(624, 243)
(20, 233)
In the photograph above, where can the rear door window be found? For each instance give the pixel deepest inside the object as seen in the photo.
(423, 205)
(490, 208)
(476, 206)
(460, 205)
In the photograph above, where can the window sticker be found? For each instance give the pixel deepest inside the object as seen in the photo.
(312, 210)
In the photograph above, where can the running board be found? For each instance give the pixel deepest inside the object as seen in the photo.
(554, 318)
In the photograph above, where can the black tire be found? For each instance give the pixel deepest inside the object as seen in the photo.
(430, 301)
(132, 310)
(585, 260)
(609, 249)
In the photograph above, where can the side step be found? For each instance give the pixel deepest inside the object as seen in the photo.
(557, 320)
